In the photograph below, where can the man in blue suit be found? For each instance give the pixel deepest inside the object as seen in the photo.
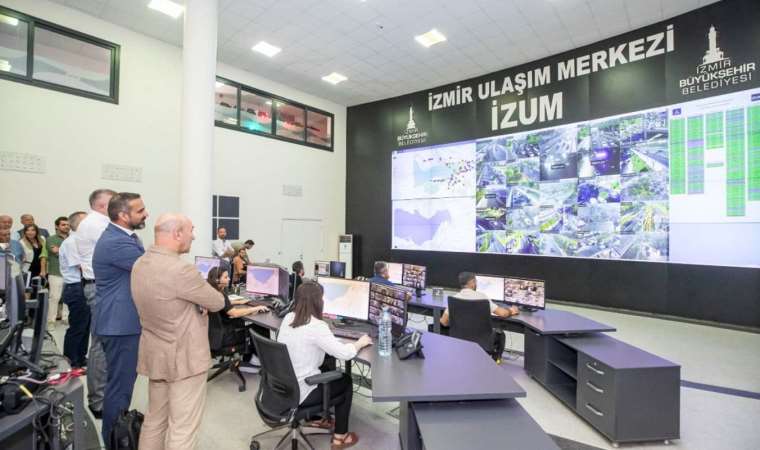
(116, 320)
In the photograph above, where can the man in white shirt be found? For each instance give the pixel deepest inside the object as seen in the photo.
(221, 247)
(87, 236)
(76, 339)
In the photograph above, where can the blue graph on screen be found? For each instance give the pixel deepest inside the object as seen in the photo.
(416, 227)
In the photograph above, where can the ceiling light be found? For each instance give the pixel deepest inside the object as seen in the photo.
(167, 7)
(266, 49)
(5, 66)
(430, 38)
(12, 21)
(334, 78)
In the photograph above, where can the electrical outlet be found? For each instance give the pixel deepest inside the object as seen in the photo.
(116, 172)
(22, 162)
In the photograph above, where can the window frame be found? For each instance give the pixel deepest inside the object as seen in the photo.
(272, 134)
(32, 24)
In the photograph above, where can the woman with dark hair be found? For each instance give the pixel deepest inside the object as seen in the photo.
(35, 251)
(232, 312)
(308, 339)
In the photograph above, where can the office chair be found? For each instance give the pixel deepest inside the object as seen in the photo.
(278, 397)
(471, 320)
(230, 356)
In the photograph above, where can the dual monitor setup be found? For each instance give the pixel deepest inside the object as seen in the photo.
(409, 275)
(261, 278)
(330, 269)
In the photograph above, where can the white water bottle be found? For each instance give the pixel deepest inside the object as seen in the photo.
(384, 333)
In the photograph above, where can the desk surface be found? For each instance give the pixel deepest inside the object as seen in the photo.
(502, 424)
(453, 369)
(615, 353)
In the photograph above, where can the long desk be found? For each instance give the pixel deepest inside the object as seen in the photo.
(452, 371)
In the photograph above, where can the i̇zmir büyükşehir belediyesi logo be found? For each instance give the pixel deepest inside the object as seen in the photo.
(716, 70)
(411, 134)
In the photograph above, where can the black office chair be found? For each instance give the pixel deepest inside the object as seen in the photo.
(230, 355)
(278, 397)
(471, 320)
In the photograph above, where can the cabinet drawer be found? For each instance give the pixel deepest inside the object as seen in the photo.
(599, 374)
(590, 392)
(600, 418)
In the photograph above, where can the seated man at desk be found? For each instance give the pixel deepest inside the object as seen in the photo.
(308, 339)
(381, 274)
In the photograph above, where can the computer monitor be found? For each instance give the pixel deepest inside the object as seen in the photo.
(490, 285)
(267, 279)
(414, 276)
(40, 321)
(15, 305)
(5, 270)
(395, 271)
(345, 298)
(524, 292)
(338, 269)
(396, 299)
(204, 264)
(322, 268)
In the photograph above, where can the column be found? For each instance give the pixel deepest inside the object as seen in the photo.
(196, 157)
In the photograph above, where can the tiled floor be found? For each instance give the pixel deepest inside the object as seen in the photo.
(708, 420)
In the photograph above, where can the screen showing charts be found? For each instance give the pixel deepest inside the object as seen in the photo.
(322, 269)
(345, 298)
(678, 183)
(414, 276)
(522, 292)
(395, 298)
(493, 287)
(204, 264)
(262, 280)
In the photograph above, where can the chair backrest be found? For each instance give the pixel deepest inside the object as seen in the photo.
(471, 320)
(278, 396)
(215, 331)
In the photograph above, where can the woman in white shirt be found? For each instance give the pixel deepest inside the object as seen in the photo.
(308, 338)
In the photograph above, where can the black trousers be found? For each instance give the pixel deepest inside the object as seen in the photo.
(340, 387)
(77, 337)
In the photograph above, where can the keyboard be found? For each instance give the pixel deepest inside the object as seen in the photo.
(346, 333)
(259, 303)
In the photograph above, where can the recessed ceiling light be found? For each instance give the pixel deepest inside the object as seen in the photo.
(167, 7)
(334, 78)
(266, 49)
(12, 21)
(430, 38)
(5, 66)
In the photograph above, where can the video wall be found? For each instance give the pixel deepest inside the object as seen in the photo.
(678, 183)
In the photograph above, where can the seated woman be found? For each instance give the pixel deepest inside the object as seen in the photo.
(231, 313)
(308, 338)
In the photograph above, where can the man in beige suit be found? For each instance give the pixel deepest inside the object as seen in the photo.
(172, 299)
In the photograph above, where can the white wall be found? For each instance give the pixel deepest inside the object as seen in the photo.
(77, 135)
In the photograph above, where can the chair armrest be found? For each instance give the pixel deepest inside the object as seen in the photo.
(324, 377)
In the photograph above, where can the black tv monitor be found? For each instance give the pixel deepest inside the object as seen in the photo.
(396, 299)
(414, 276)
(205, 263)
(345, 298)
(491, 285)
(525, 292)
(322, 268)
(16, 304)
(338, 269)
(40, 320)
(267, 279)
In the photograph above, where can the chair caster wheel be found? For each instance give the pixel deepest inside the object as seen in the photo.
(255, 445)
(241, 388)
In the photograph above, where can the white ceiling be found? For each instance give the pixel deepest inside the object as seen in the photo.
(372, 41)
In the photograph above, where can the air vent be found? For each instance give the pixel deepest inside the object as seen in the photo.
(22, 162)
(116, 172)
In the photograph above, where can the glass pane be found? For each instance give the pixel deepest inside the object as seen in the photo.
(71, 62)
(255, 112)
(290, 121)
(319, 129)
(226, 103)
(13, 41)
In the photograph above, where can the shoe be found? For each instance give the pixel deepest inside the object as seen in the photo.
(95, 413)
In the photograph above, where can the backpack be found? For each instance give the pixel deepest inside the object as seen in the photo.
(125, 434)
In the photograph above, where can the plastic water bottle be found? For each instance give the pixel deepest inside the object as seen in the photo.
(384, 333)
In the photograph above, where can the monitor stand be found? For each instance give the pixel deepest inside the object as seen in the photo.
(528, 308)
(418, 292)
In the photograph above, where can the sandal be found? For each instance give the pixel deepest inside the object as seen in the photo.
(349, 440)
(325, 424)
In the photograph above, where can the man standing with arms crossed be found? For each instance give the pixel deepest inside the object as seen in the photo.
(87, 236)
(172, 300)
(115, 321)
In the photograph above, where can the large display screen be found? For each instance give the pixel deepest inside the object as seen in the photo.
(678, 183)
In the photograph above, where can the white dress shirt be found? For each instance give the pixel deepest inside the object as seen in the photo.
(68, 259)
(469, 294)
(219, 247)
(88, 233)
(307, 346)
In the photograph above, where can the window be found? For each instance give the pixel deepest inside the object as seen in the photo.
(318, 129)
(226, 101)
(226, 213)
(271, 116)
(14, 37)
(43, 54)
(255, 112)
(291, 121)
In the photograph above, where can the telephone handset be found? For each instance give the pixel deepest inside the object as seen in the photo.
(409, 346)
